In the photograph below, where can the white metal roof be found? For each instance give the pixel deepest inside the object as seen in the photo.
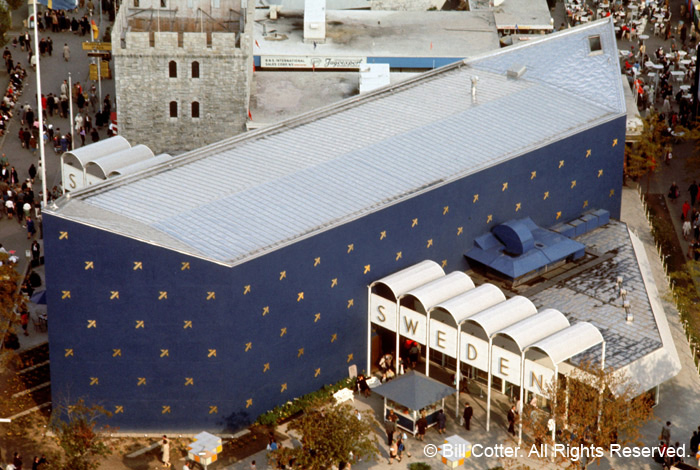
(504, 314)
(567, 343)
(534, 328)
(411, 277)
(441, 289)
(278, 187)
(464, 305)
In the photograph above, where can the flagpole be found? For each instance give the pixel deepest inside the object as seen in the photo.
(40, 107)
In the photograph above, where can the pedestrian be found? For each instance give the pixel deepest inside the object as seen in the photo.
(467, 415)
(24, 321)
(35, 463)
(17, 461)
(252, 465)
(49, 45)
(390, 426)
(36, 252)
(441, 420)
(512, 413)
(401, 447)
(686, 229)
(31, 230)
(693, 189)
(666, 433)
(66, 52)
(697, 455)
(32, 172)
(673, 192)
(165, 447)
(393, 452)
(422, 426)
(95, 135)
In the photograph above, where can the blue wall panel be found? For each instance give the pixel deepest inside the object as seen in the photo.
(218, 346)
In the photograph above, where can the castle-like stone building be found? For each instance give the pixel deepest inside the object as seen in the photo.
(185, 67)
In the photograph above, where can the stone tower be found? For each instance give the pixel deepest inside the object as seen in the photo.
(182, 70)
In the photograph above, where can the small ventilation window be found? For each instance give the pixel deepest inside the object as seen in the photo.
(172, 69)
(595, 45)
(195, 109)
(173, 109)
(195, 69)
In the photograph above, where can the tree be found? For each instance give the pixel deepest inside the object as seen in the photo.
(645, 156)
(76, 431)
(594, 407)
(330, 435)
(5, 24)
(10, 299)
(15, 4)
(686, 296)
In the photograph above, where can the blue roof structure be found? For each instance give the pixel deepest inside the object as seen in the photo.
(518, 247)
(414, 390)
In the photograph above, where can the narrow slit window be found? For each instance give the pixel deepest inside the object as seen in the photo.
(173, 109)
(195, 109)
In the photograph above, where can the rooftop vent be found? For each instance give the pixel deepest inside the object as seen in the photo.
(595, 45)
(516, 71)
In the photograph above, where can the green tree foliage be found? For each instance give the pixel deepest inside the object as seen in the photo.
(686, 296)
(329, 436)
(5, 24)
(76, 431)
(645, 157)
(594, 407)
(15, 4)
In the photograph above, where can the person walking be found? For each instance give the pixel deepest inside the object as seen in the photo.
(36, 252)
(390, 426)
(66, 52)
(165, 447)
(467, 415)
(666, 433)
(441, 420)
(693, 190)
(422, 425)
(31, 229)
(512, 413)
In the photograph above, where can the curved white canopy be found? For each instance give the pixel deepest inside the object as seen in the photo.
(79, 158)
(106, 164)
(504, 314)
(138, 166)
(569, 342)
(411, 277)
(532, 329)
(441, 289)
(471, 302)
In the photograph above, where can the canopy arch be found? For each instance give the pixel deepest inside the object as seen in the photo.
(409, 278)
